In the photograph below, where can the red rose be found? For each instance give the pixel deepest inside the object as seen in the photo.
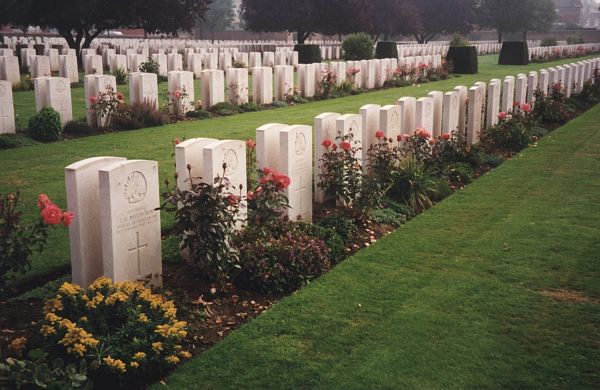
(93, 99)
(334, 147)
(176, 141)
(525, 107)
(67, 218)
(423, 133)
(266, 171)
(379, 134)
(42, 200)
(516, 104)
(283, 181)
(51, 214)
(233, 199)
(250, 144)
(502, 115)
(120, 96)
(346, 146)
(326, 144)
(446, 136)
(432, 141)
(177, 94)
(250, 195)
(399, 138)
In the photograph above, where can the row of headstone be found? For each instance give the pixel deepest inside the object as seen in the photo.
(562, 50)
(125, 245)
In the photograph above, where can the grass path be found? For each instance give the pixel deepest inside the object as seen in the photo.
(40, 168)
(496, 287)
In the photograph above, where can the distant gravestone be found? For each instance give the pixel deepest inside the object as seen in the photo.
(183, 82)
(268, 145)
(296, 162)
(284, 81)
(391, 121)
(41, 94)
(9, 68)
(306, 80)
(424, 113)
(131, 235)
(475, 119)
(7, 111)
(438, 103)
(262, 85)
(195, 64)
(58, 92)
(85, 232)
(68, 68)
(190, 153)
(521, 89)
(544, 81)
(147, 84)
(408, 105)
(41, 67)
(237, 86)
(213, 88)
(463, 97)
(370, 125)
(508, 93)
(493, 102)
(174, 62)
(325, 129)
(232, 155)
(94, 85)
(225, 61)
(450, 115)
(268, 59)
(93, 64)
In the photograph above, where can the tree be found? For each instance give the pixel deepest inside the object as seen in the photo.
(392, 17)
(301, 17)
(508, 16)
(80, 22)
(443, 17)
(219, 17)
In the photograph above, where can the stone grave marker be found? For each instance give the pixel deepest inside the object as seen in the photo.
(391, 121)
(7, 111)
(508, 93)
(408, 105)
(284, 81)
(351, 124)
(190, 152)
(262, 85)
(237, 86)
(213, 88)
(296, 162)
(424, 113)
(475, 119)
(325, 129)
(267, 145)
(463, 96)
(438, 103)
(58, 92)
(370, 125)
(451, 107)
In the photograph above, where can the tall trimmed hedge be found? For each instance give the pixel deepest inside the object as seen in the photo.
(308, 54)
(464, 59)
(514, 53)
(386, 50)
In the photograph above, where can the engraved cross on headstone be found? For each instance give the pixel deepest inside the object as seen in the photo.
(138, 249)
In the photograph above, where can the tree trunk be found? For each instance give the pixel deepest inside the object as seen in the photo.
(500, 36)
(525, 36)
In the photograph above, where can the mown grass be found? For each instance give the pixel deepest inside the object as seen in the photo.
(40, 168)
(460, 297)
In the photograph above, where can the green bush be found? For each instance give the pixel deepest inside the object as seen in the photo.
(464, 60)
(77, 127)
(414, 184)
(250, 107)
(458, 40)
(149, 67)
(225, 109)
(342, 225)
(460, 173)
(386, 50)
(11, 141)
(387, 217)
(548, 42)
(575, 40)
(138, 116)
(45, 126)
(308, 54)
(358, 46)
(198, 114)
(279, 104)
(121, 76)
(332, 239)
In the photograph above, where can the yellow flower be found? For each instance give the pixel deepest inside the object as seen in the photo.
(98, 298)
(115, 364)
(52, 306)
(77, 349)
(52, 317)
(18, 345)
(143, 318)
(76, 339)
(100, 283)
(185, 354)
(172, 359)
(69, 289)
(116, 297)
(47, 330)
(83, 319)
(158, 346)
(139, 356)
(134, 364)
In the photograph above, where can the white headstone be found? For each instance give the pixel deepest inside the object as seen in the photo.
(183, 82)
(262, 85)
(296, 160)
(190, 152)
(131, 235)
(532, 85)
(493, 102)
(213, 88)
(68, 68)
(408, 105)
(58, 91)
(463, 96)
(508, 93)
(7, 111)
(351, 124)
(475, 120)
(306, 80)
(438, 103)
(450, 115)
(9, 67)
(267, 145)
(148, 88)
(424, 113)
(83, 199)
(391, 121)
(370, 125)
(237, 85)
(521, 89)
(284, 81)
(325, 129)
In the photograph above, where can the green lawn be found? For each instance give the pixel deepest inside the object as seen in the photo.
(40, 168)
(460, 297)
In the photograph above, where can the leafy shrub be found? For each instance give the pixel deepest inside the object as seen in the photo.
(387, 217)
(123, 331)
(121, 76)
(358, 46)
(251, 107)
(449, 148)
(105, 105)
(45, 126)
(150, 66)
(330, 237)
(198, 114)
(327, 83)
(514, 53)
(38, 372)
(442, 189)
(137, 116)
(386, 50)
(512, 133)
(400, 208)
(19, 241)
(308, 54)
(77, 127)
(414, 184)
(458, 40)
(279, 104)
(225, 109)
(548, 42)
(552, 108)
(11, 141)
(342, 225)
(459, 173)
(464, 60)
(575, 40)
(267, 202)
(284, 263)
(206, 216)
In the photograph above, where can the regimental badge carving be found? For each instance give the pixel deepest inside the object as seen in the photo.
(135, 188)
(231, 161)
(300, 144)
